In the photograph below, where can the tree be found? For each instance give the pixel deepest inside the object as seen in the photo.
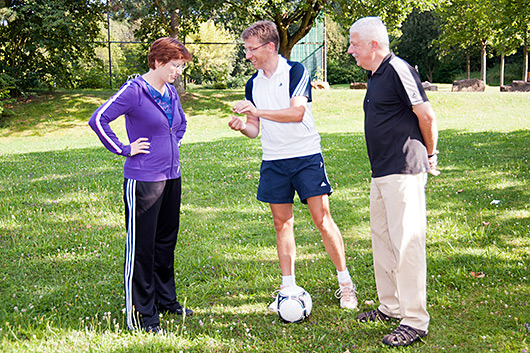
(211, 62)
(341, 67)
(293, 18)
(418, 45)
(467, 23)
(516, 25)
(163, 18)
(505, 42)
(45, 42)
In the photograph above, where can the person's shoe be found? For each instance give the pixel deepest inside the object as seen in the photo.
(155, 329)
(178, 309)
(373, 316)
(273, 307)
(346, 294)
(403, 336)
(183, 311)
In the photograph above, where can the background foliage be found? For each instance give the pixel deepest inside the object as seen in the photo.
(48, 43)
(59, 44)
(212, 63)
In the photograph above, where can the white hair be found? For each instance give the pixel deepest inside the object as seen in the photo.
(371, 28)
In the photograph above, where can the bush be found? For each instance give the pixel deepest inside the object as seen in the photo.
(512, 71)
(345, 73)
(8, 87)
(92, 75)
(211, 63)
(236, 82)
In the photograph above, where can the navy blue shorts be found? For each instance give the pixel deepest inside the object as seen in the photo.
(279, 179)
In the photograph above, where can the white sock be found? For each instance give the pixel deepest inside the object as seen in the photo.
(288, 281)
(344, 276)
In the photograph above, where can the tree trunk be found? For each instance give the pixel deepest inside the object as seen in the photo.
(526, 76)
(483, 57)
(502, 69)
(284, 48)
(174, 29)
(306, 21)
(175, 32)
(429, 71)
(468, 66)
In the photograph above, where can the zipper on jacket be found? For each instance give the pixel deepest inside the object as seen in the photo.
(171, 142)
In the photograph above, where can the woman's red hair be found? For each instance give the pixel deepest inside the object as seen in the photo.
(166, 49)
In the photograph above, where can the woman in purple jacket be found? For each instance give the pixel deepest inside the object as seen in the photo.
(155, 124)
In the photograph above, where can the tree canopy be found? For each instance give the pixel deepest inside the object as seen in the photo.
(162, 18)
(293, 18)
(418, 44)
(44, 41)
(51, 42)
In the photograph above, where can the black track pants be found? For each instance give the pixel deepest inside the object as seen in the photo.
(152, 219)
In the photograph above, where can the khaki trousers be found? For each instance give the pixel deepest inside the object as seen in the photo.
(398, 223)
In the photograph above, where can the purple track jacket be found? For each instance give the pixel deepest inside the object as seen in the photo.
(143, 118)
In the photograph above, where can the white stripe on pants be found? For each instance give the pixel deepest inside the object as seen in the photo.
(398, 224)
(130, 193)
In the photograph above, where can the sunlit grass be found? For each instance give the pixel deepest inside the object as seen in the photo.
(62, 232)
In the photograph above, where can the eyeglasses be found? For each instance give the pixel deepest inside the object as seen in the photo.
(252, 50)
(181, 66)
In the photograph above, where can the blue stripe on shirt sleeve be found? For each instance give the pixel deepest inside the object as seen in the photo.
(299, 81)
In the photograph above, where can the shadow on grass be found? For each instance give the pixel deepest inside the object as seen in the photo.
(214, 103)
(65, 109)
(62, 239)
(57, 110)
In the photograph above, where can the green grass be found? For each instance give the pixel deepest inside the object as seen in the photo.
(62, 232)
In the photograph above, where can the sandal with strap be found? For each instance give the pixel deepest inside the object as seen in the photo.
(403, 336)
(374, 315)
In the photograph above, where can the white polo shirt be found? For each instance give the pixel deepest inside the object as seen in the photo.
(284, 140)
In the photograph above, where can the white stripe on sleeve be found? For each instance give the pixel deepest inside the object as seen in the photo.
(102, 110)
(302, 85)
(411, 87)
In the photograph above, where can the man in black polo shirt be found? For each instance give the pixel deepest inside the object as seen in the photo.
(401, 137)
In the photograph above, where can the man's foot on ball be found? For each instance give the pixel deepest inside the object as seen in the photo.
(274, 305)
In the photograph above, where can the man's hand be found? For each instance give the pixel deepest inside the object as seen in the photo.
(140, 146)
(237, 124)
(247, 108)
(433, 164)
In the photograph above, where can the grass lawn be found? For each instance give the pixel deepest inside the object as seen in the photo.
(62, 232)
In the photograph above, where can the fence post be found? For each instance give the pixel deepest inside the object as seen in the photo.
(108, 43)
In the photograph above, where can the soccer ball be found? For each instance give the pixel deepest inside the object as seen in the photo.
(294, 304)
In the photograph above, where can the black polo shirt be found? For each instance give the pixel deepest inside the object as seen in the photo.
(393, 137)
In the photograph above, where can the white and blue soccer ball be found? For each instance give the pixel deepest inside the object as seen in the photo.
(294, 304)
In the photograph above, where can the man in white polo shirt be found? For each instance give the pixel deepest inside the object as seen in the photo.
(278, 96)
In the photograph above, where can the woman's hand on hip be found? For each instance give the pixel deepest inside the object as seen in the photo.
(140, 146)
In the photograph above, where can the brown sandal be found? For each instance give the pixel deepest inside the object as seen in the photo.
(403, 336)
(374, 315)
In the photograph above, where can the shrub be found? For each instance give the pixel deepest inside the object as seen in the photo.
(339, 72)
(8, 88)
(212, 63)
